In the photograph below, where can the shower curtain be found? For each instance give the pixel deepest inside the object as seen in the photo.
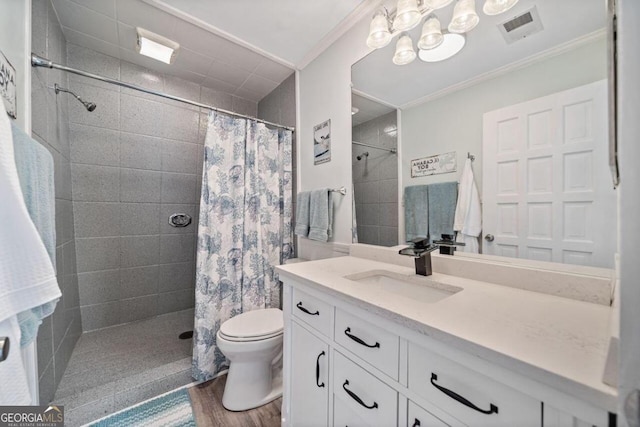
(244, 228)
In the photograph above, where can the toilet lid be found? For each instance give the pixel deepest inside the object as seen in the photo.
(254, 324)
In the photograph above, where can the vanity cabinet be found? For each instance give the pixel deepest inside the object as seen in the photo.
(310, 374)
(345, 366)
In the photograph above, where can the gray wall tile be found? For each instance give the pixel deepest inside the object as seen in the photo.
(138, 308)
(95, 183)
(142, 116)
(178, 188)
(100, 315)
(92, 145)
(244, 106)
(215, 98)
(177, 248)
(136, 251)
(139, 281)
(179, 123)
(179, 156)
(99, 286)
(100, 253)
(107, 112)
(139, 218)
(139, 185)
(174, 277)
(175, 301)
(140, 152)
(92, 62)
(95, 219)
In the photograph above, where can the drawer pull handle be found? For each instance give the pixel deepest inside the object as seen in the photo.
(318, 370)
(493, 409)
(347, 332)
(299, 305)
(356, 397)
(416, 423)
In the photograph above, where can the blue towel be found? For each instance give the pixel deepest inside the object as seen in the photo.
(442, 208)
(320, 215)
(416, 212)
(302, 214)
(35, 171)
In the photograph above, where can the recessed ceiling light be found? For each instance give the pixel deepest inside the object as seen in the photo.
(156, 46)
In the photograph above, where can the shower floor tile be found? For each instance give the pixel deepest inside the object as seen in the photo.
(117, 367)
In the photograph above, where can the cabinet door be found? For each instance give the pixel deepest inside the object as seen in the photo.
(309, 379)
(344, 416)
(419, 417)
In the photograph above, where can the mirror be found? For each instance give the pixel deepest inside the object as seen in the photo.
(375, 171)
(550, 202)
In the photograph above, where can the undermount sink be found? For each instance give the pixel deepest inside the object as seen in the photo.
(415, 288)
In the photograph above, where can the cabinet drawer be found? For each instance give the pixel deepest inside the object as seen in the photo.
(316, 313)
(419, 417)
(377, 346)
(366, 396)
(471, 397)
(344, 416)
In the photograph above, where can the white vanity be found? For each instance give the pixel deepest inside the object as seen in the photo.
(369, 343)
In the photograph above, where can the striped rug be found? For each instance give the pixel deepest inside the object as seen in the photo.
(169, 410)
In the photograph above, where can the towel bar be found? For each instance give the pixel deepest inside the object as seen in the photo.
(342, 190)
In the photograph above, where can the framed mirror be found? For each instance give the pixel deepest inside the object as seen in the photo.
(527, 98)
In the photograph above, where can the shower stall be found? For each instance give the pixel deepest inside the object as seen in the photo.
(126, 162)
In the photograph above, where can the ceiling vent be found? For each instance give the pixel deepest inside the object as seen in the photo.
(521, 26)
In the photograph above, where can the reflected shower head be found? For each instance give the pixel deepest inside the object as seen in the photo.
(90, 106)
(361, 156)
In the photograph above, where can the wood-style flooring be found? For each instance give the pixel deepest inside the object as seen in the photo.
(206, 399)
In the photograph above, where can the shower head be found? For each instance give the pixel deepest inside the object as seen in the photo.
(361, 156)
(90, 106)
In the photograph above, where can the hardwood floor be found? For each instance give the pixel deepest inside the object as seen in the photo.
(206, 399)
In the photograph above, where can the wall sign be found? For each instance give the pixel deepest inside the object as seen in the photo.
(433, 165)
(322, 142)
(8, 85)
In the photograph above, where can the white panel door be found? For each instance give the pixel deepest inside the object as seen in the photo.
(546, 184)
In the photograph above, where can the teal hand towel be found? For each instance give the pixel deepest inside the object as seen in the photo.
(442, 208)
(321, 215)
(416, 212)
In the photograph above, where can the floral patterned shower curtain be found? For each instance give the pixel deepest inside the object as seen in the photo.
(244, 228)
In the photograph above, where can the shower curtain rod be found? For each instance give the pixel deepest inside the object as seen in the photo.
(391, 150)
(38, 61)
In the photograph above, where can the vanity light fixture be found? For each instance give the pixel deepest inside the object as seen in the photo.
(156, 46)
(408, 13)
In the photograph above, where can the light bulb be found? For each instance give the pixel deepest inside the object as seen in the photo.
(465, 17)
(405, 54)
(496, 7)
(379, 34)
(437, 4)
(431, 36)
(407, 15)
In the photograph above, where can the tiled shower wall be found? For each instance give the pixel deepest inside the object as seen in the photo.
(375, 180)
(136, 160)
(58, 333)
(280, 107)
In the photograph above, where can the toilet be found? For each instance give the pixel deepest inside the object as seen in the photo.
(252, 341)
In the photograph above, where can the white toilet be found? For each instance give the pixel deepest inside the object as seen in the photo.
(252, 341)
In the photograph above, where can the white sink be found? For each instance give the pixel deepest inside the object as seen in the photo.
(412, 287)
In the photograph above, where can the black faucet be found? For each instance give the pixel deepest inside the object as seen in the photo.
(421, 250)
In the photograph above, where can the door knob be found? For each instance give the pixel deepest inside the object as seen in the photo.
(489, 237)
(4, 348)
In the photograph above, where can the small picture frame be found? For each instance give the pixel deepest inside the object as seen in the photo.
(322, 142)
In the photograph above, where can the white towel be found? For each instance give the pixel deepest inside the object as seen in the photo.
(468, 218)
(27, 277)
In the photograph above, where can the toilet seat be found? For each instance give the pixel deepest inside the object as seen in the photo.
(253, 325)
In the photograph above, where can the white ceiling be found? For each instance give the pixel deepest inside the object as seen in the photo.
(248, 56)
(485, 51)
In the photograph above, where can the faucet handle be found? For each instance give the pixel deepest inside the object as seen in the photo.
(420, 242)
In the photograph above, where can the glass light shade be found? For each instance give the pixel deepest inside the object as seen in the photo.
(431, 36)
(465, 17)
(496, 7)
(404, 51)
(438, 4)
(452, 44)
(379, 34)
(407, 15)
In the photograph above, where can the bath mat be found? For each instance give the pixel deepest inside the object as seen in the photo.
(169, 410)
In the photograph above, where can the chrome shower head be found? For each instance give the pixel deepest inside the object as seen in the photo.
(363, 155)
(90, 106)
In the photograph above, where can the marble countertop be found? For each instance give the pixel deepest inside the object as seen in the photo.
(556, 341)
